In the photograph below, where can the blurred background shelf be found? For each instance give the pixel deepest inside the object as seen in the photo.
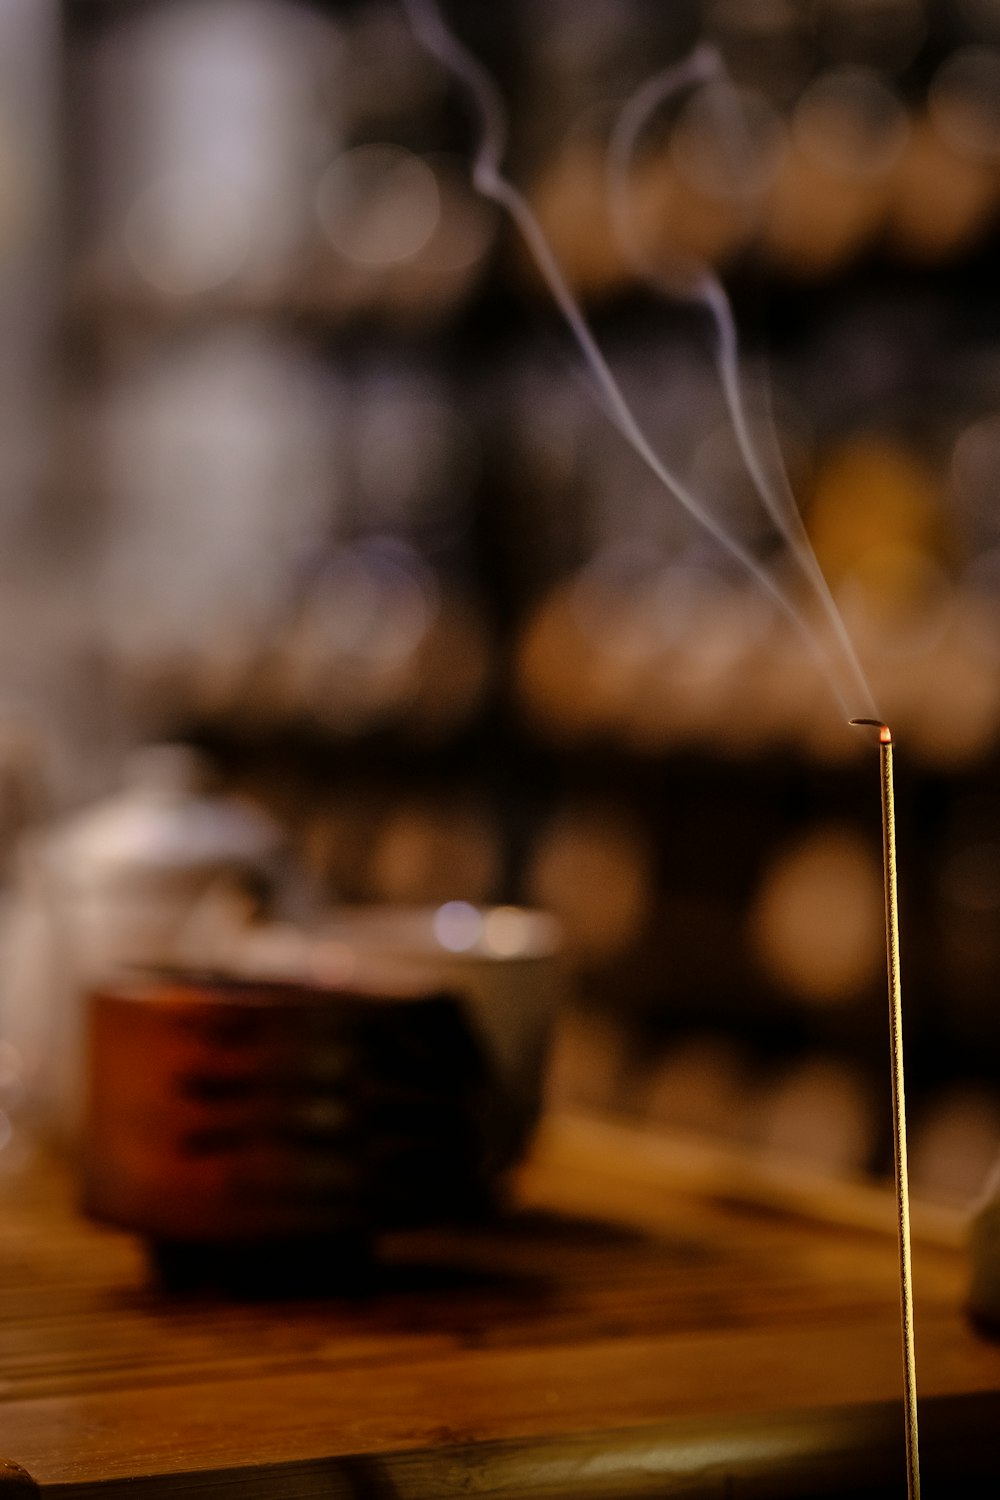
(302, 469)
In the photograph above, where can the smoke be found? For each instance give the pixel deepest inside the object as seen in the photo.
(841, 667)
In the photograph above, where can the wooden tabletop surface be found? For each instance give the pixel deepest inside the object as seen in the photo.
(648, 1319)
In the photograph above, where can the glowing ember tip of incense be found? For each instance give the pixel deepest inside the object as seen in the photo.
(884, 732)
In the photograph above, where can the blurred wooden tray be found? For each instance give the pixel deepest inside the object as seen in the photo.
(652, 1318)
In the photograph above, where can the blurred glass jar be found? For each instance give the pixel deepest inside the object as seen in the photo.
(113, 887)
(946, 190)
(196, 438)
(207, 124)
(832, 195)
(397, 233)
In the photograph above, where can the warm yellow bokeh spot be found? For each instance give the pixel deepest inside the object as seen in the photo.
(816, 926)
(874, 499)
(570, 200)
(942, 199)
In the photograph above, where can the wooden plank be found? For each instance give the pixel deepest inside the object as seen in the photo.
(792, 1456)
(617, 1298)
(477, 1397)
(577, 1151)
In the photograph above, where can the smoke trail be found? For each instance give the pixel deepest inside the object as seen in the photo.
(434, 35)
(700, 68)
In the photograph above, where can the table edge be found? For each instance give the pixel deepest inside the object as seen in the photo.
(796, 1454)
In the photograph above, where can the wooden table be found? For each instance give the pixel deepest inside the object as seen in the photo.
(651, 1319)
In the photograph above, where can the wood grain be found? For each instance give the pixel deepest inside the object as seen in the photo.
(631, 1327)
(781, 1457)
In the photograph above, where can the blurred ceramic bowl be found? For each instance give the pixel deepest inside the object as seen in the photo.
(240, 1111)
(504, 962)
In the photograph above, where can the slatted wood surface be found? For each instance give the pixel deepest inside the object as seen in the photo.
(644, 1321)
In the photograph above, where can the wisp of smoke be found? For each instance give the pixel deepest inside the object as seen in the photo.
(702, 67)
(430, 29)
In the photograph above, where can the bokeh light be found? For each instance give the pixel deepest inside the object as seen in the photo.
(379, 205)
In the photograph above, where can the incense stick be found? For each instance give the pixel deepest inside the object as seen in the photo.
(898, 1102)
